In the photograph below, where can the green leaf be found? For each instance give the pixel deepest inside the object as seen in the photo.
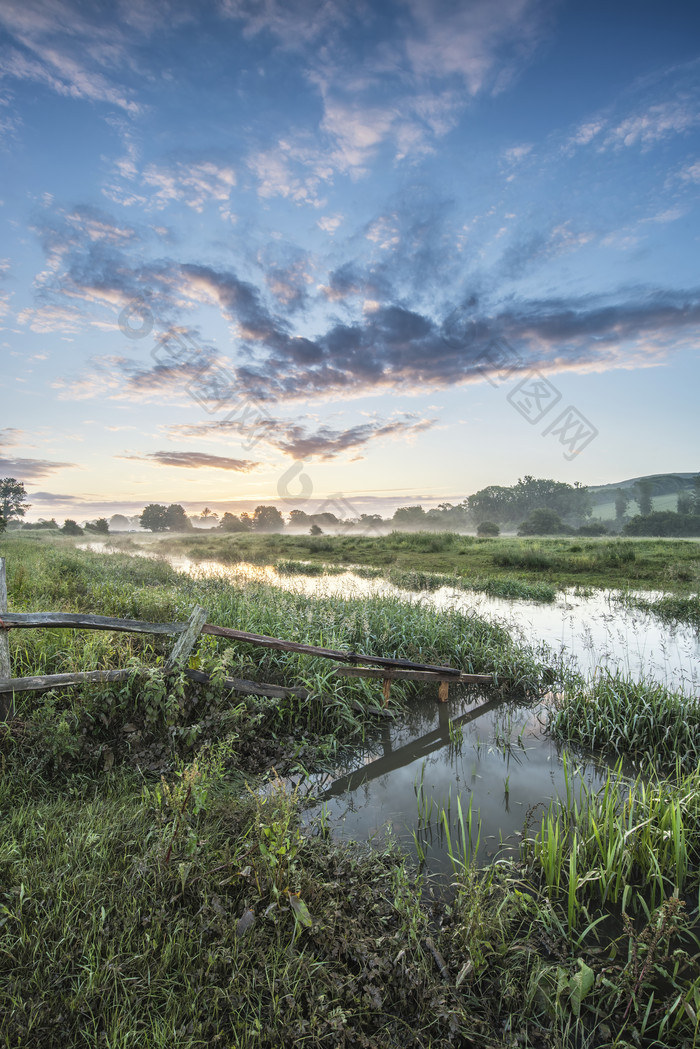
(580, 985)
(301, 911)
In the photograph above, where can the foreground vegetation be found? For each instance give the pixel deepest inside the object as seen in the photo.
(148, 897)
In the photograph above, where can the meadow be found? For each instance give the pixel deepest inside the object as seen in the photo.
(152, 894)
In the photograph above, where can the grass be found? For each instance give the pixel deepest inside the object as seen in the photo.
(670, 608)
(641, 721)
(148, 897)
(470, 562)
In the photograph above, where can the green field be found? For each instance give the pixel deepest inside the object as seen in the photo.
(151, 895)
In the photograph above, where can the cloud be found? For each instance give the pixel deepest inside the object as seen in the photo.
(330, 223)
(532, 249)
(301, 442)
(690, 173)
(195, 461)
(327, 443)
(658, 122)
(194, 182)
(59, 45)
(9, 436)
(483, 43)
(275, 171)
(31, 469)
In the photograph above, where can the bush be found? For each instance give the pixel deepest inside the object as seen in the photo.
(542, 521)
(71, 528)
(488, 528)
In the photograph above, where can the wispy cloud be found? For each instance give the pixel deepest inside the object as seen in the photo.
(57, 44)
(195, 461)
(31, 469)
(303, 442)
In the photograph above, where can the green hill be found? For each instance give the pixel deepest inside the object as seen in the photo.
(664, 492)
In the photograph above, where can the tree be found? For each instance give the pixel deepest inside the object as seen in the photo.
(488, 528)
(643, 497)
(685, 503)
(99, 527)
(176, 520)
(267, 519)
(663, 523)
(119, 523)
(409, 517)
(154, 517)
(315, 530)
(696, 494)
(12, 496)
(541, 521)
(231, 523)
(209, 517)
(622, 501)
(299, 519)
(71, 527)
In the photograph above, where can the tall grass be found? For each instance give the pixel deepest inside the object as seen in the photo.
(641, 721)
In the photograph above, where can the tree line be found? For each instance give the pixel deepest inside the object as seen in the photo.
(533, 506)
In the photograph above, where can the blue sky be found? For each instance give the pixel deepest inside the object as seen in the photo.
(377, 254)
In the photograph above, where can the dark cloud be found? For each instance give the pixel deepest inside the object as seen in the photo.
(302, 442)
(31, 469)
(327, 443)
(195, 461)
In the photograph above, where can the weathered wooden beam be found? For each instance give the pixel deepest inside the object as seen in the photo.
(187, 640)
(416, 675)
(42, 682)
(248, 688)
(7, 704)
(264, 641)
(15, 620)
(24, 620)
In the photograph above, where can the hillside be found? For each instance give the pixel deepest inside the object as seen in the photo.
(665, 489)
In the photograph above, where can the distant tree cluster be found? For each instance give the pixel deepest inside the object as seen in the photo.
(158, 518)
(513, 505)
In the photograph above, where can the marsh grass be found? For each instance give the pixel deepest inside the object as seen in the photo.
(670, 608)
(641, 721)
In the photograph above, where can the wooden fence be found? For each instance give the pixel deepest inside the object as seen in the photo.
(186, 634)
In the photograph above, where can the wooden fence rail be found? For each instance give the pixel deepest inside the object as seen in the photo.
(387, 668)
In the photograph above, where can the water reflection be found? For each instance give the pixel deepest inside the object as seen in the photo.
(490, 753)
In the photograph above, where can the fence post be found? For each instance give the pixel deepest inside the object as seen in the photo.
(7, 706)
(186, 641)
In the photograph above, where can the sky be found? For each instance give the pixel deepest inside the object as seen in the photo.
(344, 257)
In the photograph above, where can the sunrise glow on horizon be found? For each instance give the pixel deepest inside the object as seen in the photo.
(300, 252)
